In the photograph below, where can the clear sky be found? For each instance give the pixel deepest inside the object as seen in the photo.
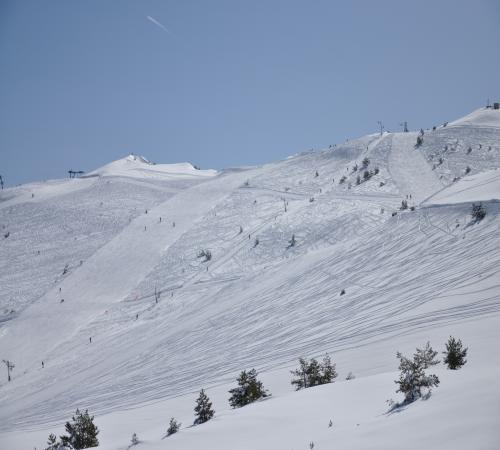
(225, 83)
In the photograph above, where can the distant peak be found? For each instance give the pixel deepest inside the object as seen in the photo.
(137, 166)
(139, 158)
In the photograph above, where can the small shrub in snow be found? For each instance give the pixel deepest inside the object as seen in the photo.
(206, 254)
(412, 378)
(342, 180)
(350, 376)
(316, 175)
(454, 354)
(358, 180)
(203, 409)
(376, 171)
(381, 184)
(467, 170)
(249, 389)
(256, 242)
(478, 212)
(420, 141)
(404, 205)
(330, 424)
(134, 440)
(366, 175)
(173, 427)
(292, 241)
(366, 162)
(312, 373)
(311, 445)
(469, 150)
(355, 168)
(311, 199)
(342, 292)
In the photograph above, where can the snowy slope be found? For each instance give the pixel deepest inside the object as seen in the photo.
(483, 186)
(135, 166)
(409, 277)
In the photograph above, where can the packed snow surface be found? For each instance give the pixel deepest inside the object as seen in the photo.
(484, 186)
(483, 117)
(104, 280)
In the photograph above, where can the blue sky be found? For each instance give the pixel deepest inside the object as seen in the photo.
(229, 82)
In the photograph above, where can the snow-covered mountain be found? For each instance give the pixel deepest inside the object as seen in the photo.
(101, 280)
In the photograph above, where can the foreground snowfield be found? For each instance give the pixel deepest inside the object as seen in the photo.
(416, 276)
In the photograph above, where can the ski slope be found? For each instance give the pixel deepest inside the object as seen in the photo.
(164, 323)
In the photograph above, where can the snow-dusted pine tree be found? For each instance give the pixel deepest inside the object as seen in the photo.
(249, 389)
(203, 409)
(82, 432)
(301, 379)
(455, 354)
(173, 427)
(52, 443)
(412, 378)
(426, 356)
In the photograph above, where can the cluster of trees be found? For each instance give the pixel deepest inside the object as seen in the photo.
(412, 377)
(313, 373)
(82, 432)
(367, 174)
(248, 390)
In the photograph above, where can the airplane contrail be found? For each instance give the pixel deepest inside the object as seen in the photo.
(158, 24)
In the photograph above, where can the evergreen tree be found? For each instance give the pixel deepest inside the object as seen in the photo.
(203, 409)
(328, 372)
(82, 433)
(412, 378)
(301, 380)
(249, 389)
(314, 374)
(455, 354)
(52, 442)
(478, 212)
(173, 427)
(426, 357)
